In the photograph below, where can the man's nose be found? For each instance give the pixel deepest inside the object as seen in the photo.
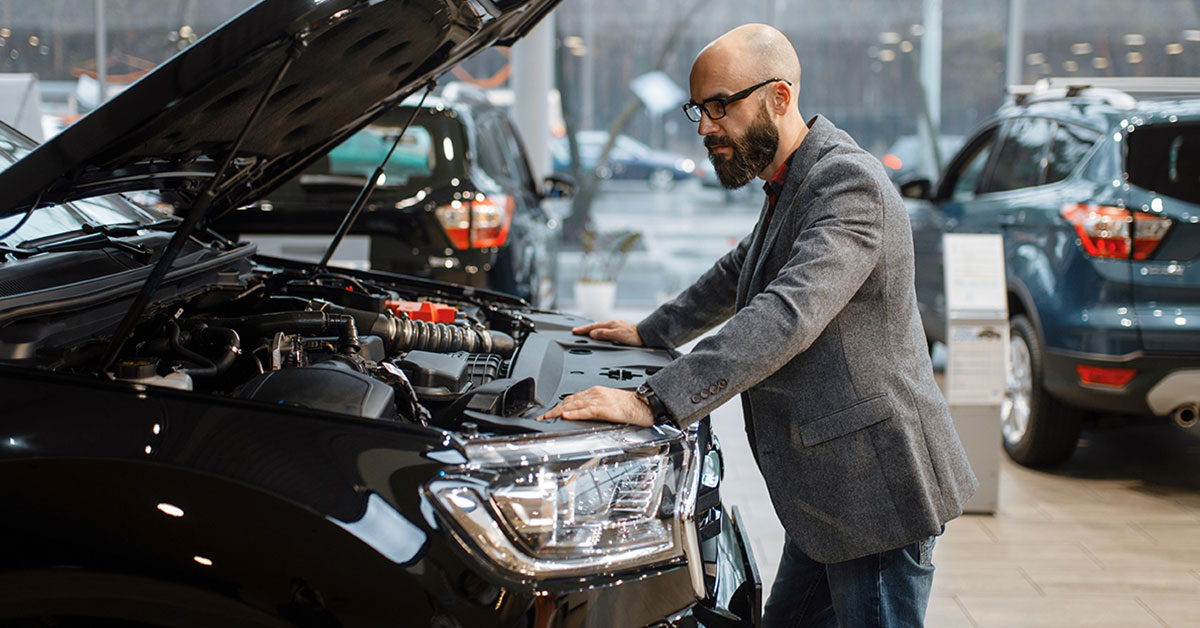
(706, 126)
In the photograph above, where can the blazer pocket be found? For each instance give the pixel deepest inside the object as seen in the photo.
(861, 414)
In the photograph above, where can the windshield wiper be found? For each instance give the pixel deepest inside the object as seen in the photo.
(89, 242)
(131, 228)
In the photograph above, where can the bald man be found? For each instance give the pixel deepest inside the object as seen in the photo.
(822, 340)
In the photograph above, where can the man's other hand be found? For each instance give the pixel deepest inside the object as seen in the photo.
(623, 332)
(599, 403)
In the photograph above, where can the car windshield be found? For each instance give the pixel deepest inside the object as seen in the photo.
(1166, 159)
(67, 217)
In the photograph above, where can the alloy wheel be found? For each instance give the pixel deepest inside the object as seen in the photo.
(1018, 394)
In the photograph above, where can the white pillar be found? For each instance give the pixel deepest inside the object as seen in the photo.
(101, 53)
(931, 82)
(1016, 33)
(533, 76)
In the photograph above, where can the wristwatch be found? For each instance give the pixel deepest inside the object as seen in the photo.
(662, 416)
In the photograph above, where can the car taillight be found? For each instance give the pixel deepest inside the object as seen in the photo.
(477, 223)
(1104, 230)
(1104, 375)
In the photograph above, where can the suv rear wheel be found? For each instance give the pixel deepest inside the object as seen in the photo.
(1038, 429)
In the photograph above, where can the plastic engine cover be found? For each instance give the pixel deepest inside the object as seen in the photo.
(332, 386)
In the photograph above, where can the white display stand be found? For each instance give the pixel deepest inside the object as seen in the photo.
(977, 340)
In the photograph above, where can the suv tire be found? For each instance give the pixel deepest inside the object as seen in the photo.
(1038, 430)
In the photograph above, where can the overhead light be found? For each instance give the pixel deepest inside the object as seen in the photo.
(906, 46)
(1174, 48)
(887, 55)
(1133, 57)
(891, 38)
(573, 41)
(1100, 63)
(34, 41)
(1192, 34)
(916, 30)
(1070, 66)
(203, 561)
(1135, 39)
(1035, 58)
(1083, 48)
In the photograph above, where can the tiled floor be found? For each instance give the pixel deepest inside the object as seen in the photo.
(1112, 538)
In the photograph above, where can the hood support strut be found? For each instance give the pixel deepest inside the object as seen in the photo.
(195, 214)
(365, 193)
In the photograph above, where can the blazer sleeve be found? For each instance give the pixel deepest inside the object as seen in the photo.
(705, 304)
(836, 249)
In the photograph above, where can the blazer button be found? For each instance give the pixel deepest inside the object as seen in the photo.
(695, 398)
(704, 394)
(712, 389)
(722, 383)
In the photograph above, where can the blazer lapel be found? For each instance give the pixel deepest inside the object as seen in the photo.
(752, 255)
(805, 158)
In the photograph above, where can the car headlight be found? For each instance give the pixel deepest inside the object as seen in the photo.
(552, 506)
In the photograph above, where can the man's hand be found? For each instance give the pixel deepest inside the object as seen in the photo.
(603, 404)
(623, 332)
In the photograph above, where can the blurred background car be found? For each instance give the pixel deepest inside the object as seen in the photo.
(457, 201)
(628, 159)
(1097, 197)
(903, 157)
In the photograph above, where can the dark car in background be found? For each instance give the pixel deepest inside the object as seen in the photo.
(1097, 197)
(197, 435)
(457, 201)
(629, 159)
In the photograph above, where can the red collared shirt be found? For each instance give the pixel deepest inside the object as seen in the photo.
(775, 186)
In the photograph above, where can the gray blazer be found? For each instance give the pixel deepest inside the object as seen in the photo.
(823, 340)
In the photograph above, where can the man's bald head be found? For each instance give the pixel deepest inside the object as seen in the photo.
(760, 124)
(748, 54)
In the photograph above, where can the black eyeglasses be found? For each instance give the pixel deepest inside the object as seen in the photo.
(714, 108)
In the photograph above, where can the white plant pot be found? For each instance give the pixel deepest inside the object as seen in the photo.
(595, 299)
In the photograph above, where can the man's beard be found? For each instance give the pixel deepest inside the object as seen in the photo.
(751, 153)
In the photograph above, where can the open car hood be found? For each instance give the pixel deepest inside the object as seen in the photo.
(352, 59)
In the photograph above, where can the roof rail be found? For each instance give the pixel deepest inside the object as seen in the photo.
(1115, 90)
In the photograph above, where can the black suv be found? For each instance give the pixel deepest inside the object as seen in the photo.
(457, 201)
(1097, 196)
(196, 435)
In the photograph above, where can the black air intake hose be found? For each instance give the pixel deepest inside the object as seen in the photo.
(447, 338)
(307, 323)
(402, 334)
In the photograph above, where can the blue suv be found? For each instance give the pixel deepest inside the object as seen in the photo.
(1097, 197)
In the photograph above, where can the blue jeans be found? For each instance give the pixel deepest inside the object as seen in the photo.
(879, 590)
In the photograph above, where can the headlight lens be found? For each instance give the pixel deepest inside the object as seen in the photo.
(557, 506)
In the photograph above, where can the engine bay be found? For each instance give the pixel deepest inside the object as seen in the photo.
(368, 345)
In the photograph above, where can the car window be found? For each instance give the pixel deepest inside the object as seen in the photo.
(1021, 159)
(1166, 159)
(492, 148)
(966, 179)
(519, 157)
(415, 155)
(1069, 146)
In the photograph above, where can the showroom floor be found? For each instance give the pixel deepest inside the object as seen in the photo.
(1111, 538)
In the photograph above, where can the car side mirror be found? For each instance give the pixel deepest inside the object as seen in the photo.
(917, 188)
(558, 185)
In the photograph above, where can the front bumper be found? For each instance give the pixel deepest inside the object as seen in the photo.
(1162, 382)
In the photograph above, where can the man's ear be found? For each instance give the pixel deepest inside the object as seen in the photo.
(781, 98)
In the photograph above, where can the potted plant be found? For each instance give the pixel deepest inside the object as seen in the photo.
(603, 256)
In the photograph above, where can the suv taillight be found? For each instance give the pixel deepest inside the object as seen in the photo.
(477, 223)
(1104, 230)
